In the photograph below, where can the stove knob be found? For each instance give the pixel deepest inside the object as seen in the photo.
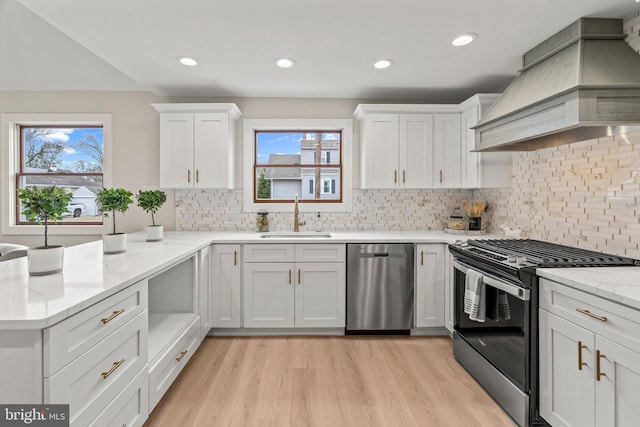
(511, 259)
(521, 260)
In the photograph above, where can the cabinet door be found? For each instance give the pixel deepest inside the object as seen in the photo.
(449, 290)
(176, 150)
(320, 295)
(567, 388)
(268, 295)
(448, 151)
(211, 144)
(430, 286)
(204, 286)
(416, 151)
(379, 149)
(226, 284)
(470, 161)
(618, 389)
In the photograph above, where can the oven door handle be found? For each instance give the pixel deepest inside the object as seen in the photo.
(516, 291)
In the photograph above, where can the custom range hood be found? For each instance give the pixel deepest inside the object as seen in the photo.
(580, 84)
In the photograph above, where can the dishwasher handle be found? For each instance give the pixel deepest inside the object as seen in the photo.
(382, 254)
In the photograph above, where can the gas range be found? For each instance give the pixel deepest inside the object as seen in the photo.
(518, 259)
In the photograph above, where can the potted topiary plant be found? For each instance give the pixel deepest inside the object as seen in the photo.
(43, 205)
(150, 201)
(112, 200)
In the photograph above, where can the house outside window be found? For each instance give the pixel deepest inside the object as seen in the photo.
(70, 151)
(285, 157)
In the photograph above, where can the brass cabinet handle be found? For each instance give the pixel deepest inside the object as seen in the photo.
(115, 314)
(580, 362)
(440, 176)
(289, 276)
(115, 366)
(404, 176)
(598, 373)
(395, 176)
(590, 314)
(182, 353)
(197, 175)
(189, 175)
(298, 276)
(421, 257)
(235, 257)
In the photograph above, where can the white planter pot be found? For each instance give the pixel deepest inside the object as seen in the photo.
(45, 261)
(114, 243)
(154, 233)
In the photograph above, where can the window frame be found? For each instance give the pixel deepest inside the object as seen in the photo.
(10, 148)
(250, 126)
(322, 166)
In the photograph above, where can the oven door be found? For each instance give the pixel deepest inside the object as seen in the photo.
(502, 342)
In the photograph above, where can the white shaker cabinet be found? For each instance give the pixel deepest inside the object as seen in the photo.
(448, 151)
(430, 285)
(204, 288)
(197, 145)
(396, 148)
(481, 170)
(589, 359)
(449, 290)
(226, 286)
(287, 286)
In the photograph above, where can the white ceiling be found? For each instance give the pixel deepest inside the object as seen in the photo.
(133, 45)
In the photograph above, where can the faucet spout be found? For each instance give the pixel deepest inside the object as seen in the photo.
(296, 220)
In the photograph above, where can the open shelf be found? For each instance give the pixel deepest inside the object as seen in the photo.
(164, 328)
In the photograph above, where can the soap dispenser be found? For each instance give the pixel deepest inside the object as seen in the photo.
(318, 223)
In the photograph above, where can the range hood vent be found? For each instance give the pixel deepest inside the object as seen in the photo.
(582, 83)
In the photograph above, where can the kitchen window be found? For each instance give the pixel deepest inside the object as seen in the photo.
(70, 151)
(310, 158)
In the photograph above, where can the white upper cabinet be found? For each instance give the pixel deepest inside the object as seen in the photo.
(448, 151)
(481, 170)
(427, 146)
(197, 145)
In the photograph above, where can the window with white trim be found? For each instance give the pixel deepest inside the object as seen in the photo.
(70, 151)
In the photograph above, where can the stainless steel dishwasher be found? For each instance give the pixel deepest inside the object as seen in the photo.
(380, 286)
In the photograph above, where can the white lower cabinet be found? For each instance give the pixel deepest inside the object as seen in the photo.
(310, 293)
(226, 286)
(430, 285)
(130, 408)
(204, 288)
(587, 379)
(449, 290)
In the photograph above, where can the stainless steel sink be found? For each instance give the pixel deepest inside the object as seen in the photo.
(295, 234)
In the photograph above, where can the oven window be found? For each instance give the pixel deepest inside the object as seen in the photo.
(503, 342)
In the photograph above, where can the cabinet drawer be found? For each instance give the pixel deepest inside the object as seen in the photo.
(268, 253)
(94, 379)
(320, 253)
(621, 325)
(164, 372)
(130, 408)
(72, 337)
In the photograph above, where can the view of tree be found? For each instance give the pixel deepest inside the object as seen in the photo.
(92, 148)
(40, 153)
(264, 186)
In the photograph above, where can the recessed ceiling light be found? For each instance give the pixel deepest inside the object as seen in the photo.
(383, 63)
(464, 39)
(284, 62)
(185, 60)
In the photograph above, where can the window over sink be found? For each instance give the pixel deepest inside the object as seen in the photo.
(310, 158)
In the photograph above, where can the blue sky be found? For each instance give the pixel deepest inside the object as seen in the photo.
(280, 143)
(70, 137)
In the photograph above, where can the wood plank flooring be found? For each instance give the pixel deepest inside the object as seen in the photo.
(326, 381)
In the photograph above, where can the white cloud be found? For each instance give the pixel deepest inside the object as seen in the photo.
(61, 135)
(69, 150)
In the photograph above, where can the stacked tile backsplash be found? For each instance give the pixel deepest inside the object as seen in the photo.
(585, 194)
(372, 210)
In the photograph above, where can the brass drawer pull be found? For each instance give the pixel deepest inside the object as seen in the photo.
(580, 362)
(182, 353)
(115, 314)
(598, 373)
(590, 314)
(115, 366)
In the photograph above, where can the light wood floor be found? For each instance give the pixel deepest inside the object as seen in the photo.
(326, 381)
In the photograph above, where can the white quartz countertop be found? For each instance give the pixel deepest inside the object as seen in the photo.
(90, 276)
(618, 284)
